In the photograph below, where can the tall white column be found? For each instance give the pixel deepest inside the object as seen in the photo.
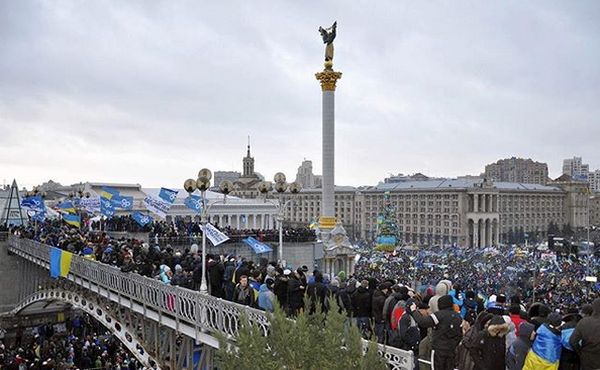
(475, 202)
(328, 202)
(328, 78)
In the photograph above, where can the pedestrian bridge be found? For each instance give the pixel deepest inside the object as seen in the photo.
(166, 327)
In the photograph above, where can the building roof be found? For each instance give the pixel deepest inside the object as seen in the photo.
(338, 188)
(462, 183)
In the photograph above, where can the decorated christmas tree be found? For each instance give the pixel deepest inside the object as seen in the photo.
(387, 229)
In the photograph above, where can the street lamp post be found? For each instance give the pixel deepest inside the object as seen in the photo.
(590, 198)
(280, 187)
(202, 184)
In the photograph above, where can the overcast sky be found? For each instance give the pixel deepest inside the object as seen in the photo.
(149, 92)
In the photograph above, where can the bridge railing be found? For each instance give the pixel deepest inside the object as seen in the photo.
(201, 311)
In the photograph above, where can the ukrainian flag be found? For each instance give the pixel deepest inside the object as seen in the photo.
(312, 225)
(545, 351)
(108, 193)
(67, 206)
(60, 262)
(73, 220)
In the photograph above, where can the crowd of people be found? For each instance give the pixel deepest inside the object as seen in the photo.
(80, 343)
(454, 307)
(507, 269)
(181, 231)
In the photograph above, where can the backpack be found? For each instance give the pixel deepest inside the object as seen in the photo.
(397, 313)
(410, 335)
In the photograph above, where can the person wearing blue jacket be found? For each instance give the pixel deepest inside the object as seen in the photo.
(266, 297)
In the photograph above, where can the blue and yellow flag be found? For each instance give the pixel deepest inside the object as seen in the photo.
(73, 220)
(108, 192)
(60, 262)
(67, 206)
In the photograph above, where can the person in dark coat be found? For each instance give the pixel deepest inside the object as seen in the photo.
(488, 351)
(216, 271)
(243, 293)
(295, 294)
(469, 343)
(281, 287)
(446, 334)
(515, 356)
(343, 298)
(585, 339)
(377, 303)
(318, 293)
(361, 301)
(228, 276)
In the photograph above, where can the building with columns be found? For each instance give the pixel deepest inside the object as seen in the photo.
(232, 211)
(468, 212)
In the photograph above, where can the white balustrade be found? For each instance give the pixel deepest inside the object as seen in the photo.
(204, 312)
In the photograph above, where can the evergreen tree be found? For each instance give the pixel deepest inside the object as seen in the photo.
(387, 227)
(311, 342)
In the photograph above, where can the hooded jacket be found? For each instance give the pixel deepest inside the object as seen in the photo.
(585, 339)
(266, 298)
(489, 345)
(515, 357)
(442, 288)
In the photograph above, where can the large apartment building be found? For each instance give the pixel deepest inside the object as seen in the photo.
(468, 212)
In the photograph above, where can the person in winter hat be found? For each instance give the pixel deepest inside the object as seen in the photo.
(515, 357)
(446, 334)
(489, 347)
(442, 288)
(547, 346)
(585, 339)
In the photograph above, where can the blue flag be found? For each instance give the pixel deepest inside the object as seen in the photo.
(194, 202)
(257, 246)
(168, 195)
(35, 203)
(39, 216)
(141, 218)
(124, 202)
(106, 207)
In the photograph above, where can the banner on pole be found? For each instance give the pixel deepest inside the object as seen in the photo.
(214, 235)
(157, 206)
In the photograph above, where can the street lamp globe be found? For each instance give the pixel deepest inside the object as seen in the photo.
(265, 187)
(281, 187)
(203, 183)
(279, 178)
(189, 185)
(295, 187)
(226, 186)
(205, 174)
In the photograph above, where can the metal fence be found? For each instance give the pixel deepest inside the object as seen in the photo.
(202, 311)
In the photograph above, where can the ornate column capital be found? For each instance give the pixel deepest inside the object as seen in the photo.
(328, 79)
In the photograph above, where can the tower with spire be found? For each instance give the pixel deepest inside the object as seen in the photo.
(248, 163)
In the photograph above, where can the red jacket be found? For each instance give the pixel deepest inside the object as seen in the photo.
(517, 320)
